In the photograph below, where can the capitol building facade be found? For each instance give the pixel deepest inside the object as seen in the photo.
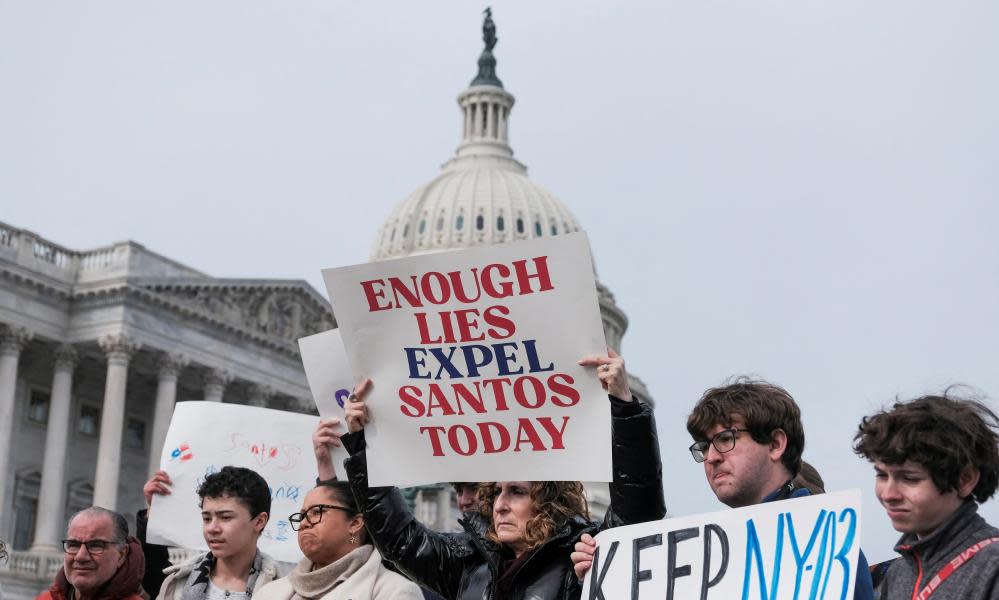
(96, 346)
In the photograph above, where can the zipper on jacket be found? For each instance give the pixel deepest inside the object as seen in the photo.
(919, 574)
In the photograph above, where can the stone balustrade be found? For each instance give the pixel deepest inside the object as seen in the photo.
(33, 564)
(43, 566)
(52, 254)
(34, 252)
(7, 235)
(96, 260)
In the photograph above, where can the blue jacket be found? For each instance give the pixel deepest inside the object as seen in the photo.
(863, 589)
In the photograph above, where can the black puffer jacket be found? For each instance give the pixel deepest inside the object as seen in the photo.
(467, 566)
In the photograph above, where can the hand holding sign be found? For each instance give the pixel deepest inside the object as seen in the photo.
(159, 483)
(611, 372)
(323, 438)
(582, 555)
(356, 408)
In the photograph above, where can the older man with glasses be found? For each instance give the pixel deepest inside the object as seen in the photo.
(102, 560)
(749, 437)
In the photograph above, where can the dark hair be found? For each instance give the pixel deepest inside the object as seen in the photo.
(341, 492)
(118, 522)
(245, 485)
(943, 434)
(554, 503)
(808, 477)
(762, 406)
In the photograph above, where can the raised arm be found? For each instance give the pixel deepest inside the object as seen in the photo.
(637, 487)
(157, 557)
(323, 438)
(434, 560)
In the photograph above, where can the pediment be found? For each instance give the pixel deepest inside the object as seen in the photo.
(279, 309)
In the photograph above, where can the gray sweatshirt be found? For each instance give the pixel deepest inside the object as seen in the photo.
(921, 560)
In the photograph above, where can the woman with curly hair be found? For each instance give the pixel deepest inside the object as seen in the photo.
(518, 541)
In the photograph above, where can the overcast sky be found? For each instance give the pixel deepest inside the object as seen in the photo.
(806, 191)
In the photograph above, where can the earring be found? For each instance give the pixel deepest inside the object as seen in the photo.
(353, 539)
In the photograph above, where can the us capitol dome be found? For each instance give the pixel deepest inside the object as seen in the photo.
(483, 195)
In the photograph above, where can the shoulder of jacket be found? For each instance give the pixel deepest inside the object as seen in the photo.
(275, 589)
(990, 550)
(268, 564)
(184, 568)
(395, 585)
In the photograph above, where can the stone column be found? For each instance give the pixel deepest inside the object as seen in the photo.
(12, 341)
(52, 494)
(444, 504)
(170, 366)
(490, 120)
(119, 350)
(259, 394)
(215, 382)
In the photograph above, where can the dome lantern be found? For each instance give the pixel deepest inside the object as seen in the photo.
(485, 110)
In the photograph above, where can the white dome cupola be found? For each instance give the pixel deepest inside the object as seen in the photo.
(482, 195)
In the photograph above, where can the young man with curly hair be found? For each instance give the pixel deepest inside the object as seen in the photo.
(935, 459)
(749, 437)
(235, 507)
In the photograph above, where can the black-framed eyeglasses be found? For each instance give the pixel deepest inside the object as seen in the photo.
(94, 547)
(723, 441)
(314, 514)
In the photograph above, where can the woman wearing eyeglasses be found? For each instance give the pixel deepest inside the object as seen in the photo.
(516, 543)
(339, 561)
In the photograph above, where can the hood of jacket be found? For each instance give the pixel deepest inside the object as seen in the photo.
(126, 581)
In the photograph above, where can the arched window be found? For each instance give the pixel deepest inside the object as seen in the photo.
(26, 486)
(459, 222)
(423, 225)
(499, 223)
(537, 229)
(520, 225)
(480, 222)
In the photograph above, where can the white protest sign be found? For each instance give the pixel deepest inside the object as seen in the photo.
(328, 372)
(206, 436)
(800, 548)
(474, 360)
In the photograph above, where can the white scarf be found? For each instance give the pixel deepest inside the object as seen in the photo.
(311, 585)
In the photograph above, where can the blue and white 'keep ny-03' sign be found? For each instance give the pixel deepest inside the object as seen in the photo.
(794, 549)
